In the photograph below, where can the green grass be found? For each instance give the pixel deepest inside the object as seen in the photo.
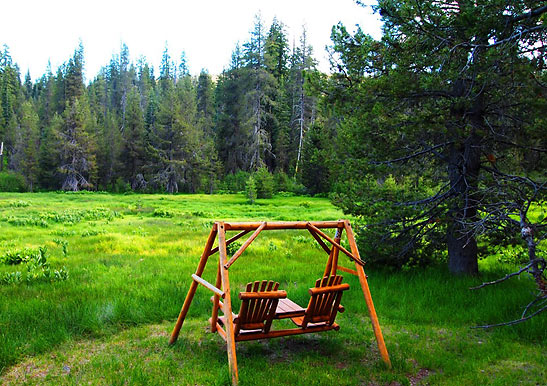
(130, 257)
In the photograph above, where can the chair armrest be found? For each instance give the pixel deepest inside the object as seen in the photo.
(334, 288)
(263, 295)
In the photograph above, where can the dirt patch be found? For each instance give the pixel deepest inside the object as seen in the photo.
(418, 377)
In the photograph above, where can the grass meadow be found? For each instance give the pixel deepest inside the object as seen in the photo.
(129, 259)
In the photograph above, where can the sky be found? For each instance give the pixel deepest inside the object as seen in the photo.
(38, 31)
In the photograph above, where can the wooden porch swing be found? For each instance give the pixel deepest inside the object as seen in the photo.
(263, 302)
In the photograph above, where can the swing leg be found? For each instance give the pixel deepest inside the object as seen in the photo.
(193, 287)
(368, 298)
(230, 337)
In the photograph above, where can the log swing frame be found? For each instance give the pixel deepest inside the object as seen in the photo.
(221, 289)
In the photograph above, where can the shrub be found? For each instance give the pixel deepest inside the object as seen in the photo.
(24, 255)
(282, 182)
(64, 244)
(233, 248)
(250, 190)
(162, 213)
(235, 182)
(121, 186)
(37, 269)
(19, 204)
(379, 228)
(264, 183)
(93, 232)
(12, 182)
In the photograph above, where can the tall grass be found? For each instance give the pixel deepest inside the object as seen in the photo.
(130, 258)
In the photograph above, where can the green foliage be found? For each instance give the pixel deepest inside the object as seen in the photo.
(448, 97)
(70, 217)
(380, 241)
(264, 183)
(14, 257)
(37, 268)
(282, 182)
(64, 244)
(235, 182)
(250, 190)
(18, 204)
(233, 248)
(317, 158)
(12, 182)
(160, 212)
(121, 186)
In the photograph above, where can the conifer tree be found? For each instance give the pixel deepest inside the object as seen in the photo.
(77, 145)
(133, 153)
(25, 154)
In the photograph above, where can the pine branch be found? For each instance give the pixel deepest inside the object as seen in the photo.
(409, 157)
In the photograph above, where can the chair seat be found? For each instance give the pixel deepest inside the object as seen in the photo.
(299, 321)
(222, 321)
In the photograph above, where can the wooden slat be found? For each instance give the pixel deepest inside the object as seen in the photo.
(293, 331)
(208, 285)
(336, 252)
(244, 246)
(286, 308)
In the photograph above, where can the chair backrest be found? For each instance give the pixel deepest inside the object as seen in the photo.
(325, 300)
(258, 306)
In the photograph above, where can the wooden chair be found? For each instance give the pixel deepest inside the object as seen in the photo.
(258, 306)
(322, 308)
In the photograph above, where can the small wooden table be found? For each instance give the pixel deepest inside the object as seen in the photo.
(286, 308)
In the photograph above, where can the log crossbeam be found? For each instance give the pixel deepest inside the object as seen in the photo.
(245, 245)
(334, 243)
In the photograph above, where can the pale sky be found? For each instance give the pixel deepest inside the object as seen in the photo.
(40, 30)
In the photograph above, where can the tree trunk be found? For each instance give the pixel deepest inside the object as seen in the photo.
(463, 170)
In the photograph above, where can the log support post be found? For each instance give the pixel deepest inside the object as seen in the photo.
(193, 286)
(368, 298)
(230, 337)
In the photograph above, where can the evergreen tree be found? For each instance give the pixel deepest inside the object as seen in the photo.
(260, 87)
(25, 155)
(449, 97)
(76, 142)
(11, 97)
(133, 153)
(49, 156)
(74, 78)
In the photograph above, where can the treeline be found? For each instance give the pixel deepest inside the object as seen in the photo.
(434, 135)
(132, 129)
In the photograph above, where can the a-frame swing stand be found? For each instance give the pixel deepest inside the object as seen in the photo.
(221, 289)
